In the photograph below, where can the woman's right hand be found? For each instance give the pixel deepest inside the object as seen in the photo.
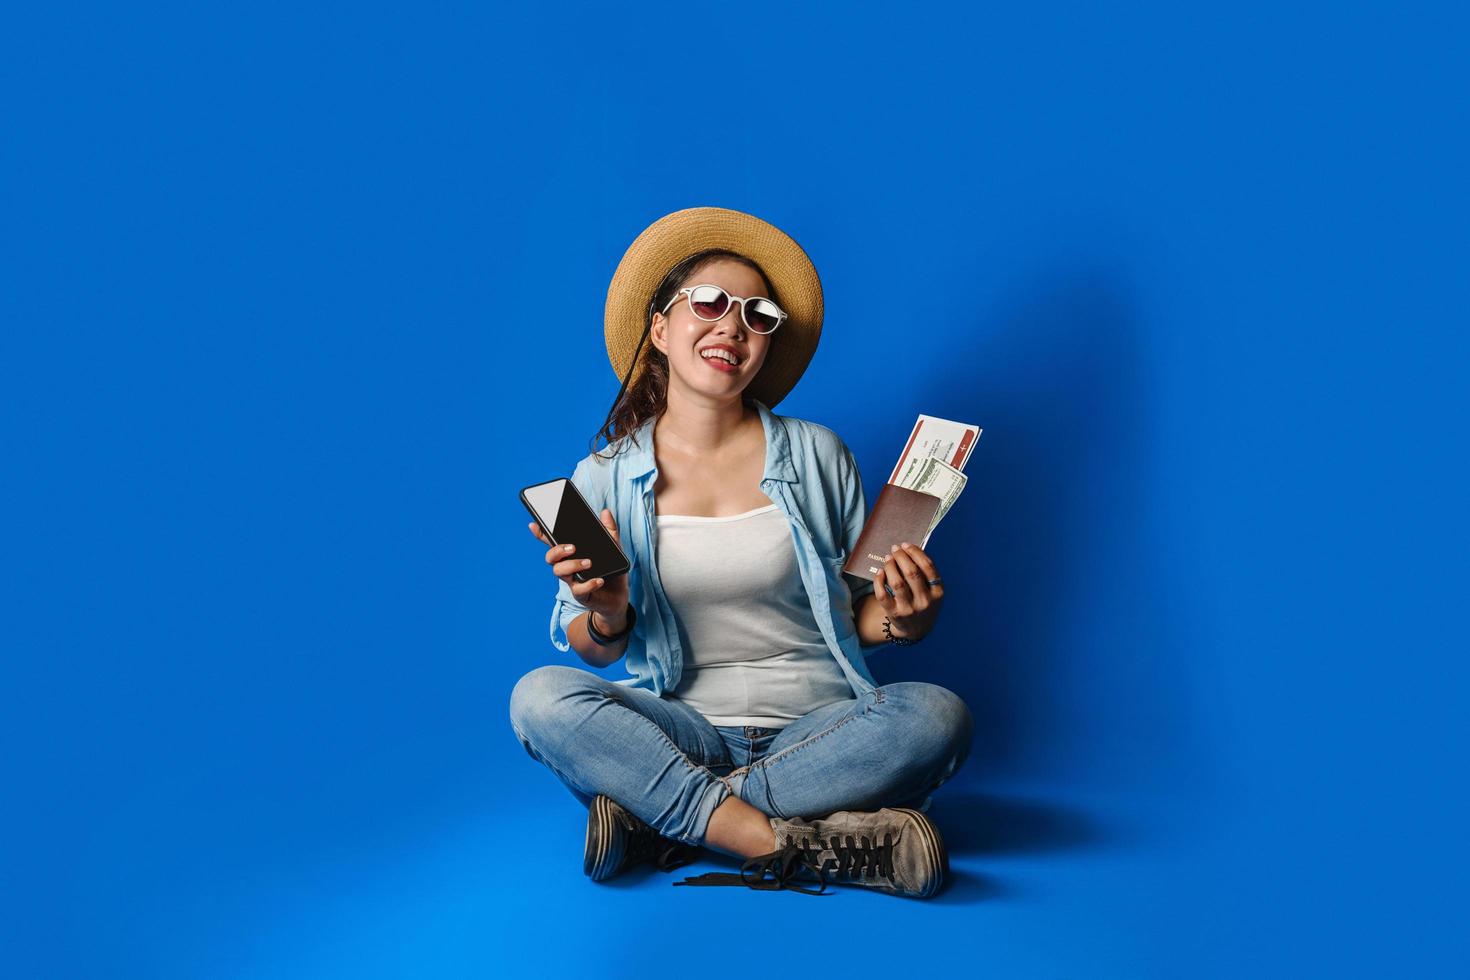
(606, 597)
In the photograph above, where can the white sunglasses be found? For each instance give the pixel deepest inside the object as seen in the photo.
(710, 302)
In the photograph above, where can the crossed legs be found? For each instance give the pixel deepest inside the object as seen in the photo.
(892, 746)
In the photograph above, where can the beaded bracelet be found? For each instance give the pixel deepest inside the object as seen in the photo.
(903, 641)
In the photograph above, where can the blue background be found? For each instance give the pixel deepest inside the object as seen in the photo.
(295, 301)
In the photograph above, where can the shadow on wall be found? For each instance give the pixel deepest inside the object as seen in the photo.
(1062, 637)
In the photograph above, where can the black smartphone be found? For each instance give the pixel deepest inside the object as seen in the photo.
(566, 518)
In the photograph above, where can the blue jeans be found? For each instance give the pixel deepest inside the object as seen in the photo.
(671, 768)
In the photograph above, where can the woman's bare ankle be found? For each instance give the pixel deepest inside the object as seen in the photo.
(739, 829)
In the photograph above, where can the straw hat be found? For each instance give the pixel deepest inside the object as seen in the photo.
(670, 239)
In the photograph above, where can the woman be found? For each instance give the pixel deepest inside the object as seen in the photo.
(751, 724)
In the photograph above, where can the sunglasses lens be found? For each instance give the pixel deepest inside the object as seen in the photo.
(709, 302)
(763, 315)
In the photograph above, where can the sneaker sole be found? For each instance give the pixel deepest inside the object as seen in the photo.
(599, 855)
(929, 834)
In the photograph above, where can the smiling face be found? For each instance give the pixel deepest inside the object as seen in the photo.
(684, 338)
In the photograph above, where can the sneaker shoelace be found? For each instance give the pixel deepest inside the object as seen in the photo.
(847, 861)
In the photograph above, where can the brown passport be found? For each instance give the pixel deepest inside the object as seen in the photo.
(899, 514)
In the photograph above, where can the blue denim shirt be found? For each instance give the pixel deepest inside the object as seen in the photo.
(811, 477)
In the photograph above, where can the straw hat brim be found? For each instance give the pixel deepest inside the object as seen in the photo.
(670, 239)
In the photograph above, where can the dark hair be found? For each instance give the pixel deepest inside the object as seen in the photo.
(647, 398)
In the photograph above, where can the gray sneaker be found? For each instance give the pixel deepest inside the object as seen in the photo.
(617, 840)
(896, 850)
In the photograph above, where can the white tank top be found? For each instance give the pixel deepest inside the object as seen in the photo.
(753, 654)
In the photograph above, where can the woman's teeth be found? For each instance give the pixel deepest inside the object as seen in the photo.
(720, 360)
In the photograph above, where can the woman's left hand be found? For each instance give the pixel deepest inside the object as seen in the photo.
(914, 605)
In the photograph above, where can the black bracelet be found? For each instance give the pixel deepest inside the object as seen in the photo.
(607, 641)
(903, 641)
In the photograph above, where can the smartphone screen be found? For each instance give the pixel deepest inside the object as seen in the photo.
(565, 516)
